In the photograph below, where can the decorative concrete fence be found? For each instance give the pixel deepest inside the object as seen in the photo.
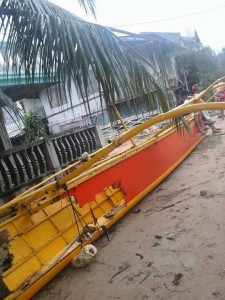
(71, 145)
(23, 165)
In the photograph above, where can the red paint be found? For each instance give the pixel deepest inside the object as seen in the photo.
(137, 172)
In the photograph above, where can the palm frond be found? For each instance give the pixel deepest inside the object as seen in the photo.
(11, 108)
(179, 121)
(43, 38)
(89, 6)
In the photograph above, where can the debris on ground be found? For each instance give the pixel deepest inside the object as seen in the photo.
(167, 206)
(203, 193)
(171, 236)
(122, 268)
(156, 244)
(138, 254)
(216, 294)
(158, 237)
(177, 278)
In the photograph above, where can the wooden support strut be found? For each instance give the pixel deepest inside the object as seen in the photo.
(121, 120)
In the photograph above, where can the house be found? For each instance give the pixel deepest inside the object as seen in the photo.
(159, 52)
(156, 48)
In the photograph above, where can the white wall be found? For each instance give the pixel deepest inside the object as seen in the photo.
(32, 104)
(72, 112)
(60, 113)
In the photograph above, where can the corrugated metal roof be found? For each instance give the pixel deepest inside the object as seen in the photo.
(173, 37)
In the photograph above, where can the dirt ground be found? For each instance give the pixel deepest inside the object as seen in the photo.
(170, 246)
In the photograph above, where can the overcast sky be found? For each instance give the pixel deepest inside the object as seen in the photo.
(208, 17)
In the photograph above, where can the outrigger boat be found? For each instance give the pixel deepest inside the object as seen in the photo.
(46, 227)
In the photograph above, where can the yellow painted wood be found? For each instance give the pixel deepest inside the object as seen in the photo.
(35, 244)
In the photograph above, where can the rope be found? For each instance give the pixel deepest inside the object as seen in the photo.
(77, 218)
(75, 213)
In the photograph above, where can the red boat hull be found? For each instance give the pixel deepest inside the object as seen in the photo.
(142, 169)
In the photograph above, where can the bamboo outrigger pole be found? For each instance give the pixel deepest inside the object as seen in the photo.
(54, 189)
(192, 100)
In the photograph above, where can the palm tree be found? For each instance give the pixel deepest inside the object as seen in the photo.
(42, 37)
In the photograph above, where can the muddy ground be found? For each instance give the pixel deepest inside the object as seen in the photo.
(170, 246)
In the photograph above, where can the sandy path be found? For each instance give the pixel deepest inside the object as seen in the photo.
(171, 246)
